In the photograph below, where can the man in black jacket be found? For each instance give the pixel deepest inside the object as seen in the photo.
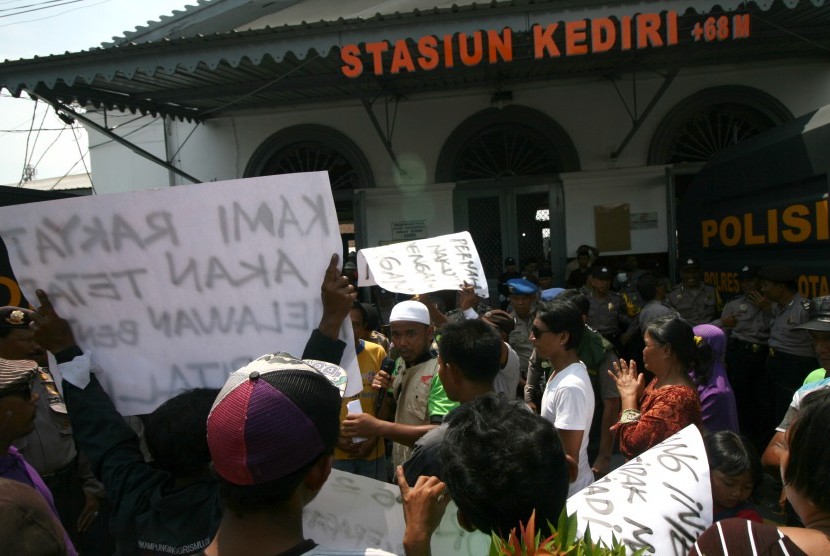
(171, 507)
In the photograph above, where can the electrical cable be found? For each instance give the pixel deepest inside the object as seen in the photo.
(56, 14)
(83, 161)
(30, 5)
(42, 8)
(50, 146)
(37, 136)
(26, 154)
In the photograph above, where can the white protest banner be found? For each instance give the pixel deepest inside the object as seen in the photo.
(661, 500)
(352, 512)
(174, 288)
(423, 266)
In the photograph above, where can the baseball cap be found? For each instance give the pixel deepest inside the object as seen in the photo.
(274, 416)
(819, 315)
(412, 311)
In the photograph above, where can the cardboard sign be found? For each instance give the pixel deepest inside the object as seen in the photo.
(661, 500)
(352, 512)
(173, 289)
(424, 265)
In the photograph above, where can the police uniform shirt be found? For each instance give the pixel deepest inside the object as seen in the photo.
(652, 311)
(49, 447)
(605, 314)
(782, 334)
(519, 340)
(752, 324)
(698, 306)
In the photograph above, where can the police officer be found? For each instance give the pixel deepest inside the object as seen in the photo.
(791, 355)
(523, 295)
(50, 448)
(696, 302)
(746, 320)
(511, 271)
(607, 314)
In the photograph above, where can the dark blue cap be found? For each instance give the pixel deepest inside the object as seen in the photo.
(520, 286)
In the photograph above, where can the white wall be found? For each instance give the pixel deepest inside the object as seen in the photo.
(115, 167)
(387, 205)
(644, 189)
(588, 110)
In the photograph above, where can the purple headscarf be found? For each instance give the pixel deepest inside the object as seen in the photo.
(717, 401)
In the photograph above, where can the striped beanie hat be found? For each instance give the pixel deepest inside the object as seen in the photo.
(274, 416)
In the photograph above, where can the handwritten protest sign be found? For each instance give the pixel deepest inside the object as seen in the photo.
(661, 500)
(353, 512)
(173, 289)
(424, 265)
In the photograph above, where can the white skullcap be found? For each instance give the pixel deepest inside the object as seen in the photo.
(412, 311)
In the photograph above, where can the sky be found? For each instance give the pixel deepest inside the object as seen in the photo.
(55, 27)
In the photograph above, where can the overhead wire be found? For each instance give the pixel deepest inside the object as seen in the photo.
(61, 4)
(37, 136)
(31, 5)
(83, 160)
(58, 136)
(55, 14)
(26, 153)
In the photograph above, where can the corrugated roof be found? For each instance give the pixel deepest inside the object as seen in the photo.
(202, 76)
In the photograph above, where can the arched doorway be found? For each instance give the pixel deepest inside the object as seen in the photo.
(311, 148)
(505, 164)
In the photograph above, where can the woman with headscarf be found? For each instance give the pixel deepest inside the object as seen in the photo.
(717, 401)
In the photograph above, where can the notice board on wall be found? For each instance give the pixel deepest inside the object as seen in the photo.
(612, 226)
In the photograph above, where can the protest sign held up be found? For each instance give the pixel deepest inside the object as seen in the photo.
(172, 289)
(353, 512)
(660, 501)
(424, 265)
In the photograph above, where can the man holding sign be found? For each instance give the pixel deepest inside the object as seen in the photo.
(417, 395)
(172, 506)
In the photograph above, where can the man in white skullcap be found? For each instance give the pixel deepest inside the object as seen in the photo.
(415, 394)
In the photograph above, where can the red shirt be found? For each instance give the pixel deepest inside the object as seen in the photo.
(663, 412)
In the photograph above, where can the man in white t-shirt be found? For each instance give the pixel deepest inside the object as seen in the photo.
(568, 403)
(568, 399)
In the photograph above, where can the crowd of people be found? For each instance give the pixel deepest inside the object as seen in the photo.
(504, 411)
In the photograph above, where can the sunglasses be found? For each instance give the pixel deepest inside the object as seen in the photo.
(538, 332)
(22, 390)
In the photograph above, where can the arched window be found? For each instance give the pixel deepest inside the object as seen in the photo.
(503, 143)
(712, 120)
(312, 148)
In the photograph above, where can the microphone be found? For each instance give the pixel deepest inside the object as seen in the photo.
(388, 366)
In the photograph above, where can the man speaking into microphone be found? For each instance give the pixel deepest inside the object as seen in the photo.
(415, 395)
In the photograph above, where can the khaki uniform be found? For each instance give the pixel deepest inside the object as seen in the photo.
(519, 340)
(697, 306)
(791, 356)
(752, 324)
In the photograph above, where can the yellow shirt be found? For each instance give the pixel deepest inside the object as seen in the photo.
(369, 360)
